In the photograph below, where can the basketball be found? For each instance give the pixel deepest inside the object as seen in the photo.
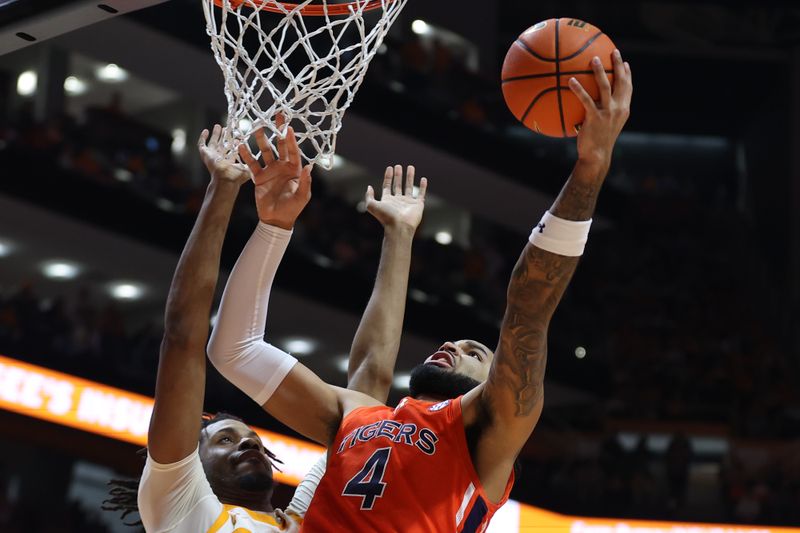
(538, 67)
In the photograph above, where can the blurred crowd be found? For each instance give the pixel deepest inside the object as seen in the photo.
(85, 334)
(674, 315)
(64, 518)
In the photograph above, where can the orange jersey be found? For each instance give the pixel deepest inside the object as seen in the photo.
(406, 469)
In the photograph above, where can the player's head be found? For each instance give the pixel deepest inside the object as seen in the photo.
(454, 369)
(229, 470)
(233, 456)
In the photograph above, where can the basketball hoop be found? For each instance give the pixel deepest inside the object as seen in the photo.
(315, 10)
(308, 71)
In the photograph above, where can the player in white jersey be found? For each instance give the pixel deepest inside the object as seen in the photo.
(222, 481)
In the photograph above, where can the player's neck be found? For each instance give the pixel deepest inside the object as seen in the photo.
(255, 501)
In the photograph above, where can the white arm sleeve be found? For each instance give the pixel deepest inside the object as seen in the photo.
(306, 489)
(237, 348)
(175, 494)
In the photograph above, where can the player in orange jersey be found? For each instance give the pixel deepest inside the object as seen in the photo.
(443, 459)
(214, 474)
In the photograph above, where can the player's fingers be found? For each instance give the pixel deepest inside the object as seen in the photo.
(216, 133)
(423, 188)
(293, 147)
(201, 141)
(304, 185)
(282, 518)
(249, 160)
(387, 181)
(582, 95)
(264, 146)
(280, 120)
(602, 82)
(283, 148)
(619, 72)
(627, 92)
(410, 173)
(370, 196)
(398, 179)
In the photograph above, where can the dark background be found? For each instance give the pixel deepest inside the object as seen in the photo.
(686, 404)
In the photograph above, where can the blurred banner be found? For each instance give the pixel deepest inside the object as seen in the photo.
(78, 403)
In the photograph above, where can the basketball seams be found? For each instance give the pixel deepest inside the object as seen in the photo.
(583, 48)
(536, 65)
(538, 97)
(558, 83)
(538, 76)
(522, 44)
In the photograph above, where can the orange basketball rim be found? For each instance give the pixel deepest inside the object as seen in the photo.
(314, 10)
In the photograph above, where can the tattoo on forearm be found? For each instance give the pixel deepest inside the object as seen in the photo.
(537, 285)
(576, 201)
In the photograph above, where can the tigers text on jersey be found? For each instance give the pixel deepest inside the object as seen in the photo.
(406, 469)
(177, 498)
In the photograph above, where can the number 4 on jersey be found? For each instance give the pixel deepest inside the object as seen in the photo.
(368, 483)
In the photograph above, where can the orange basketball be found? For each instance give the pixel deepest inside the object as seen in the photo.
(538, 67)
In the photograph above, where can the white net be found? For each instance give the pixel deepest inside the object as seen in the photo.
(308, 68)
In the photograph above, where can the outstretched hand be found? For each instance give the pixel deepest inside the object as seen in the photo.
(222, 169)
(398, 205)
(283, 185)
(606, 118)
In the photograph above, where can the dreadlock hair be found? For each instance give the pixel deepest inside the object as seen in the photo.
(124, 493)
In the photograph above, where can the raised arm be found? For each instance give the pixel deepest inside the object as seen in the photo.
(286, 389)
(180, 386)
(377, 340)
(510, 403)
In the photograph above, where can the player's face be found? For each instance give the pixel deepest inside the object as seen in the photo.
(452, 371)
(465, 357)
(234, 458)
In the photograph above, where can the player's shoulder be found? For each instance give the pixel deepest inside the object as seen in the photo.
(351, 400)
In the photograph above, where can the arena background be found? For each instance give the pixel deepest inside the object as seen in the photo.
(673, 367)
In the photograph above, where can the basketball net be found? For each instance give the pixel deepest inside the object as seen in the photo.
(275, 61)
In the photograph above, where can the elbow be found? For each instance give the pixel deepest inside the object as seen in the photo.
(217, 349)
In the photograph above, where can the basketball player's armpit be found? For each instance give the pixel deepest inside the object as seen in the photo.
(537, 284)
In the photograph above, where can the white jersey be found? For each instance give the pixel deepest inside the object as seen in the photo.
(177, 498)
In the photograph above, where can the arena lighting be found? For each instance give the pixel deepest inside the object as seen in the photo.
(117, 414)
(75, 86)
(444, 237)
(338, 162)
(343, 363)
(465, 299)
(580, 352)
(245, 124)
(299, 346)
(334, 163)
(5, 248)
(126, 291)
(26, 83)
(60, 270)
(178, 141)
(111, 73)
(420, 27)
(402, 381)
(78, 403)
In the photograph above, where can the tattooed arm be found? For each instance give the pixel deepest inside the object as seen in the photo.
(503, 411)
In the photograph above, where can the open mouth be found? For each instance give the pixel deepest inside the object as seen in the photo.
(251, 455)
(442, 359)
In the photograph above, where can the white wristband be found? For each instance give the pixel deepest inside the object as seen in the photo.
(559, 236)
